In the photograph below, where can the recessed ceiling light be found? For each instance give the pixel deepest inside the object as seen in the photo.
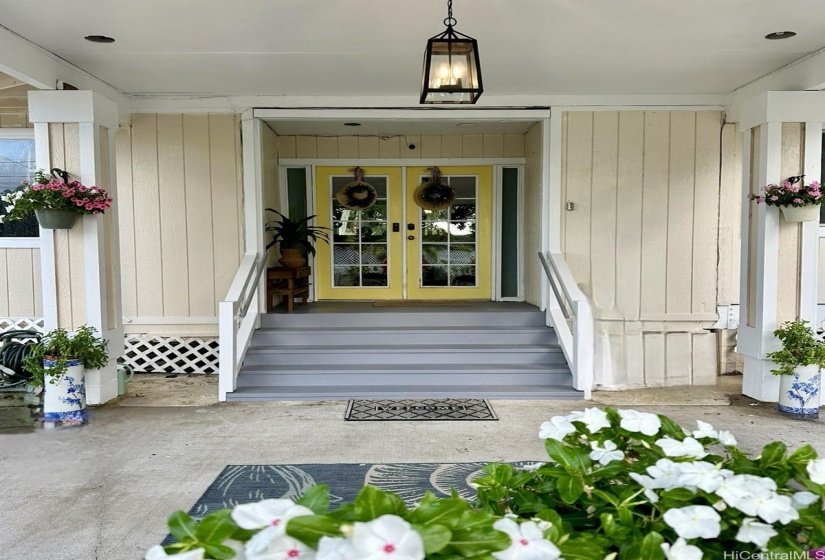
(467, 125)
(352, 124)
(780, 35)
(99, 39)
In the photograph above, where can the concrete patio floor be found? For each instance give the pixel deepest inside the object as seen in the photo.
(104, 490)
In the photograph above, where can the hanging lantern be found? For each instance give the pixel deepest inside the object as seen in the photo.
(452, 69)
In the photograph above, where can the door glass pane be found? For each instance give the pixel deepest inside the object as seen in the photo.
(448, 248)
(359, 239)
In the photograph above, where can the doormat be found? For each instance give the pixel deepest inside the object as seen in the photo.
(242, 484)
(420, 409)
(421, 303)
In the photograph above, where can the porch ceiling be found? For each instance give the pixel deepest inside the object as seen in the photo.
(374, 47)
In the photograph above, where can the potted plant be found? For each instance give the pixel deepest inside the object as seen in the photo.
(798, 365)
(56, 202)
(799, 202)
(295, 237)
(59, 364)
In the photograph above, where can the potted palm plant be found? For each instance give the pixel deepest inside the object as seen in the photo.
(58, 363)
(798, 365)
(295, 237)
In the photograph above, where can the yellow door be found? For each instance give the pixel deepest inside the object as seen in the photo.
(364, 259)
(450, 255)
(395, 249)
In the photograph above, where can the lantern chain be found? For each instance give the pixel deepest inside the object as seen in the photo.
(450, 21)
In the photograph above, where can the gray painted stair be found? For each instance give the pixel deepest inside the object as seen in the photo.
(485, 351)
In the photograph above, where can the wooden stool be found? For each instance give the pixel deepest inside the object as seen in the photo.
(289, 283)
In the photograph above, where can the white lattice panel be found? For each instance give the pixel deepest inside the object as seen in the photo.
(20, 324)
(167, 354)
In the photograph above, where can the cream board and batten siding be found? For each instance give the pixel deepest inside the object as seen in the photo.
(396, 147)
(20, 283)
(532, 208)
(642, 239)
(181, 229)
(271, 183)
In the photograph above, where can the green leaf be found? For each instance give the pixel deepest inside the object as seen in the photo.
(316, 499)
(671, 428)
(574, 549)
(310, 528)
(182, 526)
(573, 461)
(432, 512)
(802, 456)
(219, 551)
(773, 454)
(435, 537)
(570, 488)
(216, 527)
(472, 543)
(679, 494)
(651, 548)
(371, 503)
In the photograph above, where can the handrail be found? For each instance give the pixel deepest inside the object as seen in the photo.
(235, 321)
(570, 314)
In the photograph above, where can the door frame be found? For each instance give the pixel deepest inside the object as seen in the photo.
(496, 164)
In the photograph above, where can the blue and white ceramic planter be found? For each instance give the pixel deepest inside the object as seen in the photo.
(799, 393)
(65, 400)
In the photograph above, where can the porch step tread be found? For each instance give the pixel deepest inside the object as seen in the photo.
(407, 368)
(383, 348)
(344, 392)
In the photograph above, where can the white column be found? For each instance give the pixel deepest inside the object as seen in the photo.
(96, 118)
(760, 251)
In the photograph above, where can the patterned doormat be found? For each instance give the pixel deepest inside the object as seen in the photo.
(420, 409)
(421, 303)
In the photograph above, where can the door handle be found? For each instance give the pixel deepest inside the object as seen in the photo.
(411, 227)
(410, 237)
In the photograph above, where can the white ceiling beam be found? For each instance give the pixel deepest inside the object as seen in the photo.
(805, 74)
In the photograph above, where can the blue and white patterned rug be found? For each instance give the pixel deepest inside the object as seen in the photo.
(240, 484)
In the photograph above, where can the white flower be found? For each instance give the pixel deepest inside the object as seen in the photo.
(594, 419)
(816, 470)
(531, 467)
(157, 552)
(705, 431)
(666, 473)
(691, 522)
(330, 548)
(556, 428)
(648, 484)
(687, 448)
(268, 513)
(704, 475)
(755, 532)
(726, 438)
(739, 489)
(528, 542)
(801, 500)
(388, 537)
(610, 452)
(681, 550)
(777, 508)
(644, 422)
(273, 544)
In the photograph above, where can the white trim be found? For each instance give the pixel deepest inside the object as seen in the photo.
(398, 162)
(16, 134)
(497, 220)
(405, 277)
(728, 317)
(782, 106)
(625, 107)
(402, 114)
(550, 197)
(170, 320)
(553, 164)
(48, 267)
(809, 246)
(81, 106)
(19, 242)
(253, 189)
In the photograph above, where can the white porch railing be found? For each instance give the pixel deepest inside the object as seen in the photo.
(237, 320)
(570, 314)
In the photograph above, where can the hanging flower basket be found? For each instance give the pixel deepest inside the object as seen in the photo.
(799, 202)
(56, 201)
(433, 194)
(358, 194)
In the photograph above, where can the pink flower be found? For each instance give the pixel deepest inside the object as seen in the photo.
(760, 199)
(798, 201)
(82, 188)
(816, 195)
(814, 185)
(89, 207)
(774, 198)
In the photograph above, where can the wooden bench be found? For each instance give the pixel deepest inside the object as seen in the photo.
(288, 283)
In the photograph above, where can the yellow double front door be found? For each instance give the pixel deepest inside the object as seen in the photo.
(394, 249)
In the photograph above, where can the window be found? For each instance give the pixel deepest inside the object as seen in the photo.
(17, 163)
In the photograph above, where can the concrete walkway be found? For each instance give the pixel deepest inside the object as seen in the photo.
(103, 491)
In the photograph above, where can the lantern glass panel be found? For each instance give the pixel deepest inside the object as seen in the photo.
(452, 72)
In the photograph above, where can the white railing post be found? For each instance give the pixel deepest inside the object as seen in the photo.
(227, 347)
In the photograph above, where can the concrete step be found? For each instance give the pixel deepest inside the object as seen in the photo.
(405, 354)
(454, 375)
(407, 317)
(345, 392)
(324, 336)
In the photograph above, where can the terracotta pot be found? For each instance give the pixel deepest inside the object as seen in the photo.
(795, 214)
(799, 393)
(292, 258)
